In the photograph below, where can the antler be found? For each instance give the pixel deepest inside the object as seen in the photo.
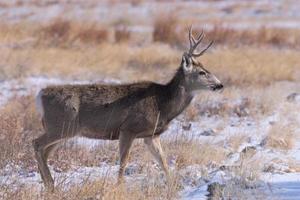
(195, 42)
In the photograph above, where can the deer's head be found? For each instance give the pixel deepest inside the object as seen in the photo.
(196, 76)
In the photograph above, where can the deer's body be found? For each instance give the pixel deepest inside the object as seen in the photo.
(123, 112)
(102, 111)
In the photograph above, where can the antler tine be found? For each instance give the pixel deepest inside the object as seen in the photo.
(203, 51)
(201, 36)
(191, 38)
(199, 39)
(194, 42)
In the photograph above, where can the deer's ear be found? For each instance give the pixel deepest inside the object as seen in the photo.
(186, 64)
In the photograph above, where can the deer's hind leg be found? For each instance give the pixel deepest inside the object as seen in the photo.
(42, 147)
(45, 144)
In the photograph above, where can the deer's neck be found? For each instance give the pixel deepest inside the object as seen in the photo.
(177, 96)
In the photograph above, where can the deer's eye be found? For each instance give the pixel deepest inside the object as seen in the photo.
(202, 73)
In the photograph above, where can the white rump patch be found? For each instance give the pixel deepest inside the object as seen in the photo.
(39, 103)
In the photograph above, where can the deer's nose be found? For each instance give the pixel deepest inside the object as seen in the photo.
(219, 86)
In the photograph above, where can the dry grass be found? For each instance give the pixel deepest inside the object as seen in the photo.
(243, 182)
(191, 153)
(241, 101)
(191, 112)
(195, 152)
(34, 49)
(281, 136)
(241, 66)
(236, 140)
(122, 34)
(19, 124)
(294, 165)
(103, 188)
(118, 60)
(65, 33)
(247, 172)
(166, 29)
(262, 36)
(250, 66)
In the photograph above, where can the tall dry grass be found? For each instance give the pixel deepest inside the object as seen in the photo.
(103, 188)
(122, 34)
(277, 37)
(19, 124)
(64, 33)
(280, 137)
(234, 66)
(192, 151)
(69, 48)
(166, 29)
(169, 29)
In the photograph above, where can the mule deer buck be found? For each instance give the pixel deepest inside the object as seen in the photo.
(120, 112)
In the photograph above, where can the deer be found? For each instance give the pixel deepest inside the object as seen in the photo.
(121, 112)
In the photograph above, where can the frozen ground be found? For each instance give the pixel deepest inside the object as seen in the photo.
(278, 181)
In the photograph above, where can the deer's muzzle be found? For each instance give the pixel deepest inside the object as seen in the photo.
(217, 87)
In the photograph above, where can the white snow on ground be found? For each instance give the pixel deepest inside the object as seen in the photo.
(199, 193)
(281, 183)
(284, 186)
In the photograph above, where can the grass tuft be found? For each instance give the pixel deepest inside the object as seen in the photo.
(62, 32)
(166, 29)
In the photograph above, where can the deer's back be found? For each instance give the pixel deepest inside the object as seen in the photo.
(92, 93)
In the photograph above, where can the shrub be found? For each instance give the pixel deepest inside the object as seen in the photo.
(92, 34)
(263, 36)
(122, 34)
(56, 32)
(62, 32)
(19, 124)
(165, 29)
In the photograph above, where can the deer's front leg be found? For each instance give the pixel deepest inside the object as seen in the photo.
(125, 142)
(130, 129)
(154, 146)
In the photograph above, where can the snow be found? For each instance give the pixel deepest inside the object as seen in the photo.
(284, 186)
(196, 194)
